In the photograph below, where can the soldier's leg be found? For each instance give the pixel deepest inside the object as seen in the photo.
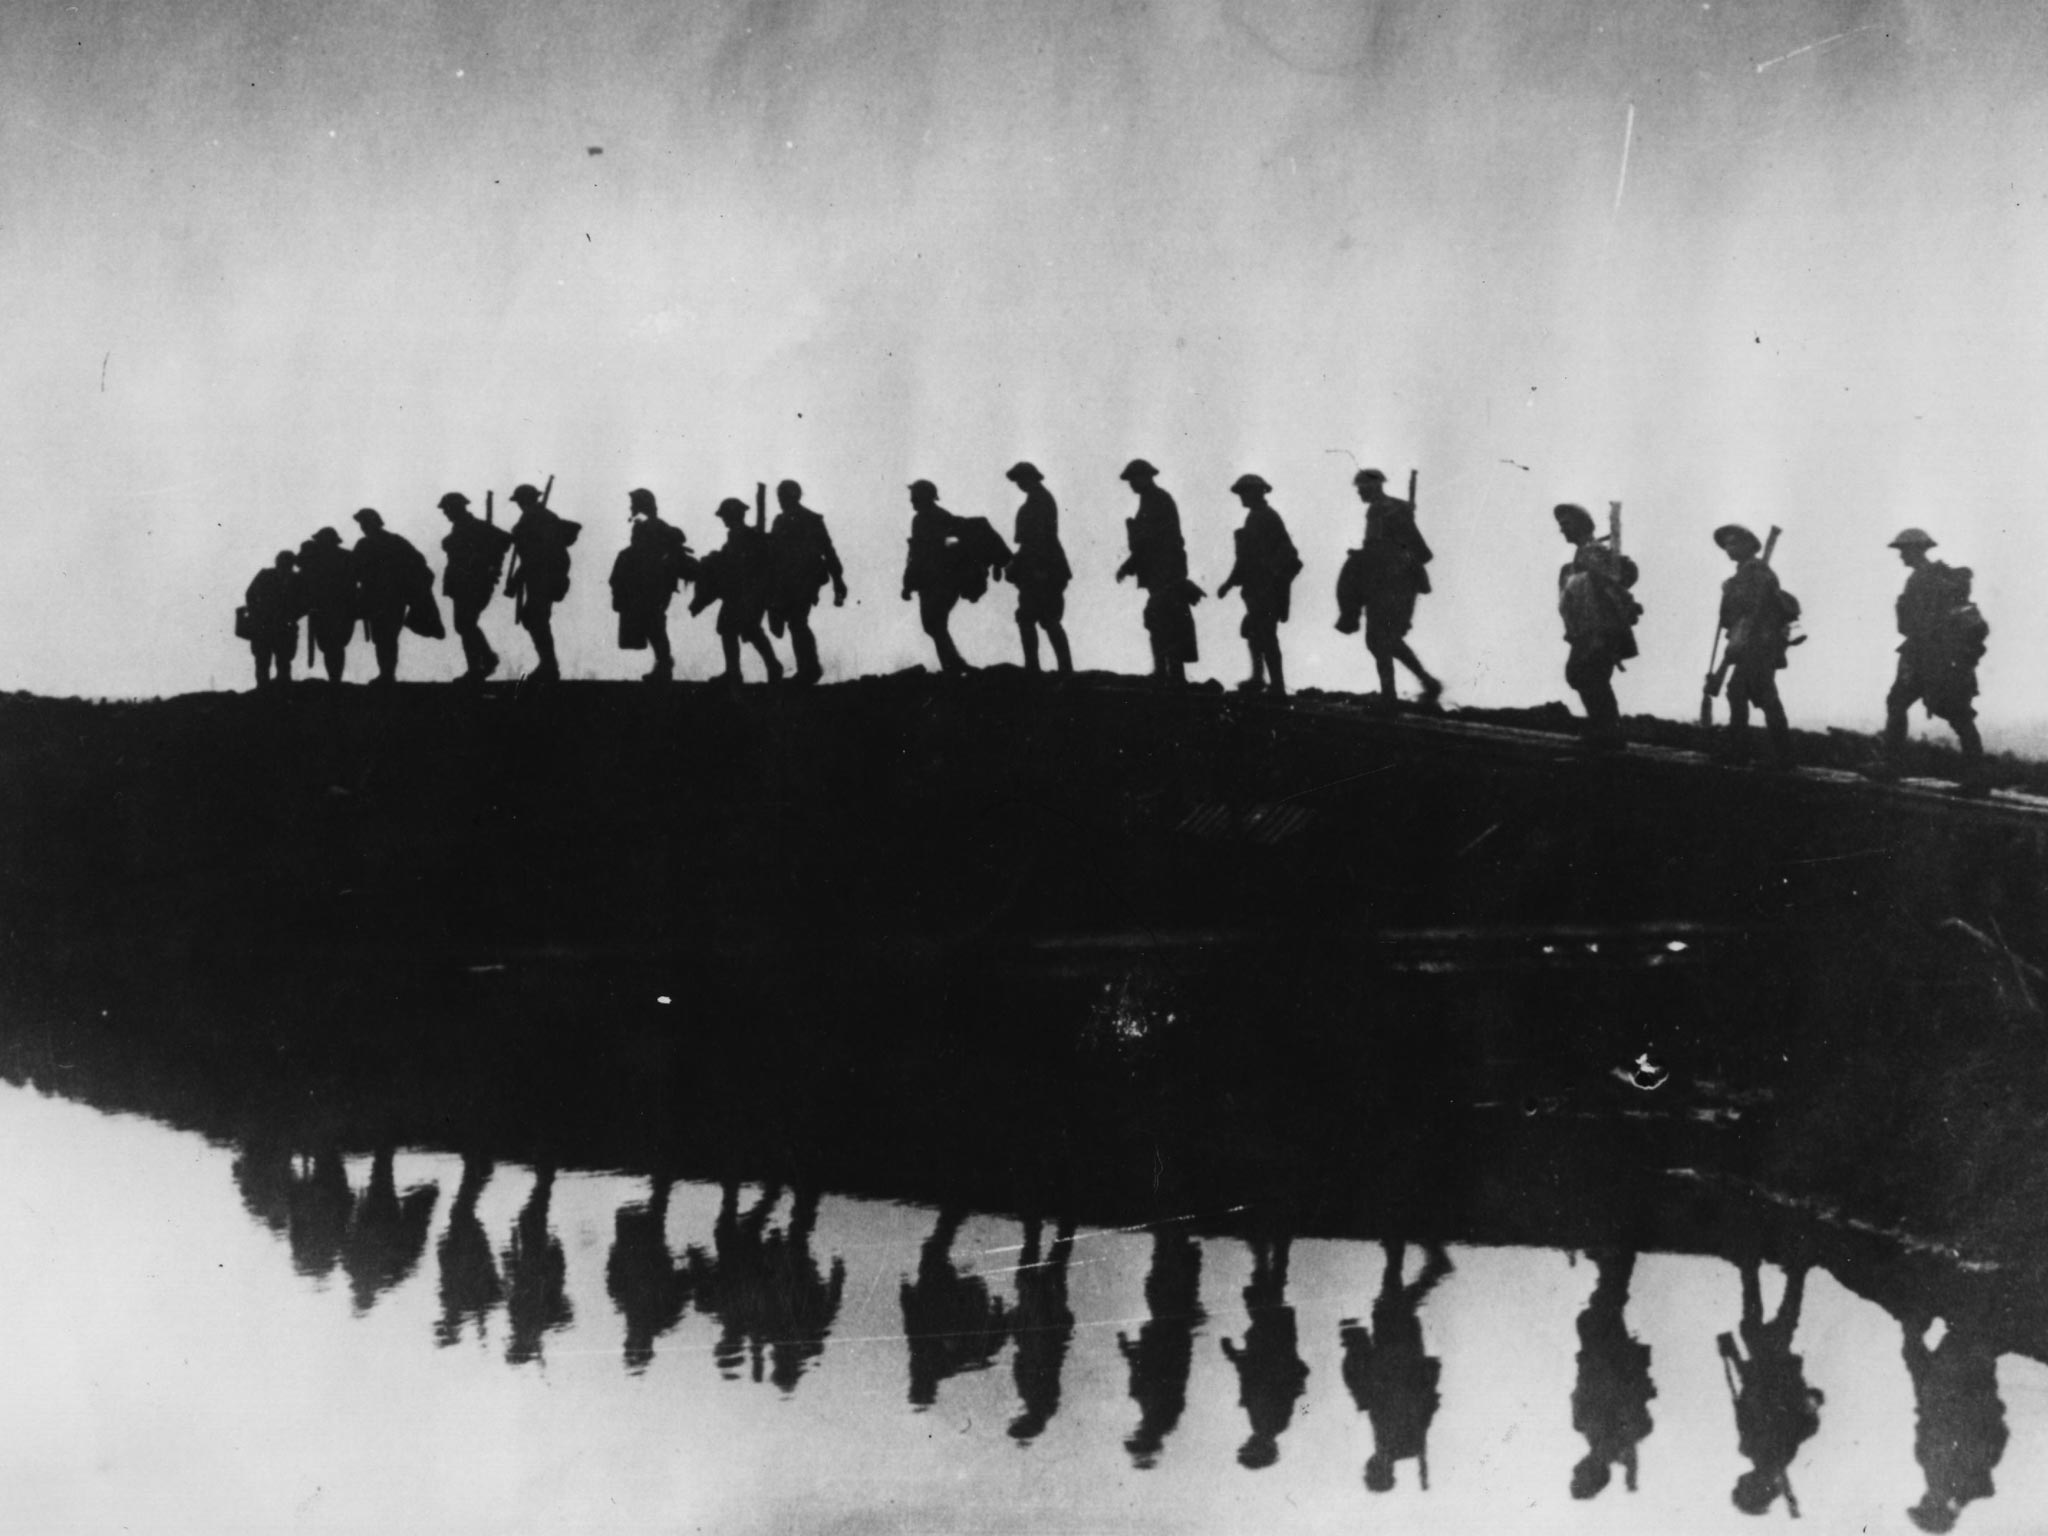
(540, 626)
(1255, 644)
(936, 612)
(1027, 632)
(803, 645)
(1765, 692)
(1430, 686)
(657, 640)
(287, 648)
(759, 641)
(1273, 668)
(730, 644)
(260, 649)
(1904, 691)
(1738, 714)
(384, 628)
(1056, 632)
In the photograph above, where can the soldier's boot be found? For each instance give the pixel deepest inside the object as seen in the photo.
(1385, 667)
(805, 646)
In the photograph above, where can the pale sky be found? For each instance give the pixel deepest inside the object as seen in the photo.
(263, 265)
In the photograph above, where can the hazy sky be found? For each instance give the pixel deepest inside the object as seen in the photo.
(264, 264)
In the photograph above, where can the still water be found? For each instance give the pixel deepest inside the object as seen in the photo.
(213, 1338)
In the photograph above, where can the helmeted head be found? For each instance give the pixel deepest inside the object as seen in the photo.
(525, 496)
(285, 560)
(1249, 488)
(640, 503)
(731, 511)
(369, 520)
(454, 503)
(1737, 540)
(1573, 521)
(789, 494)
(325, 536)
(1369, 481)
(1139, 472)
(1023, 472)
(1912, 538)
(923, 493)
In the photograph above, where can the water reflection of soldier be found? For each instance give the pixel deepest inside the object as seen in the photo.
(469, 1273)
(536, 1273)
(1164, 1351)
(735, 576)
(1959, 1432)
(327, 588)
(729, 1284)
(950, 1321)
(1599, 620)
(539, 577)
(320, 1203)
(1611, 1402)
(387, 1232)
(1391, 570)
(263, 1174)
(1271, 1375)
(1265, 569)
(1776, 1412)
(1043, 1325)
(801, 562)
(391, 576)
(1943, 641)
(1753, 617)
(655, 561)
(476, 558)
(1159, 561)
(645, 1281)
(1392, 1378)
(1039, 569)
(931, 573)
(274, 606)
(800, 1304)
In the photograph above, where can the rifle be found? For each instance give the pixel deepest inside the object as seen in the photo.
(1717, 675)
(760, 506)
(490, 508)
(1614, 528)
(1411, 489)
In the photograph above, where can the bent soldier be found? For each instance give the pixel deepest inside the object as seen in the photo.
(272, 607)
(327, 592)
(1599, 620)
(540, 574)
(931, 571)
(390, 576)
(735, 576)
(1753, 616)
(476, 558)
(1039, 569)
(1943, 640)
(1159, 561)
(801, 562)
(655, 561)
(1390, 569)
(1264, 571)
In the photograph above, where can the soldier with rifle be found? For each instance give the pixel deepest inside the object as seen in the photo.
(476, 558)
(327, 588)
(392, 577)
(735, 576)
(1599, 616)
(1039, 569)
(1383, 577)
(1944, 637)
(270, 620)
(801, 561)
(655, 561)
(1265, 568)
(1159, 561)
(1756, 619)
(539, 578)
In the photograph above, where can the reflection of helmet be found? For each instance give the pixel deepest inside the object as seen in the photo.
(1138, 469)
(1933, 1513)
(1912, 538)
(1257, 1453)
(525, 495)
(1590, 1476)
(923, 490)
(1022, 470)
(1372, 476)
(1572, 518)
(1730, 535)
(1379, 1473)
(453, 501)
(731, 510)
(640, 501)
(369, 518)
(1756, 1490)
(1249, 485)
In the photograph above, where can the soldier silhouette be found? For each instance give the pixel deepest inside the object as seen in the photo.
(539, 577)
(730, 1283)
(536, 1273)
(320, 1203)
(801, 1303)
(1039, 569)
(950, 1321)
(1271, 1375)
(1265, 569)
(1753, 616)
(391, 578)
(327, 588)
(1163, 1353)
(1392, 1377)
(646, 1282)
(801, 562)
(272, 606)
(1043, 1325)
(1943, 640)
(1158, 560)
(387, 1232)
(476, 558)
(470, 1287)
(655, 561)
(1389, 571)
(735, 576)
(1611, 1400)
(932, 571)
(1776, 1412)
(1959, 1430)
(1599, 620)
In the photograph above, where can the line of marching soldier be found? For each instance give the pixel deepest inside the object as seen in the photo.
(775, 575)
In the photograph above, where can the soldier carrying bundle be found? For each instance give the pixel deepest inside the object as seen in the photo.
(948, 558)
(539, 578)
(1593, 599)
(801, 561)
(1944, 639)
(1159, 561)
(655, 561)
(1382, 578)
(476, 558)
(735, 576)
(394, 591)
